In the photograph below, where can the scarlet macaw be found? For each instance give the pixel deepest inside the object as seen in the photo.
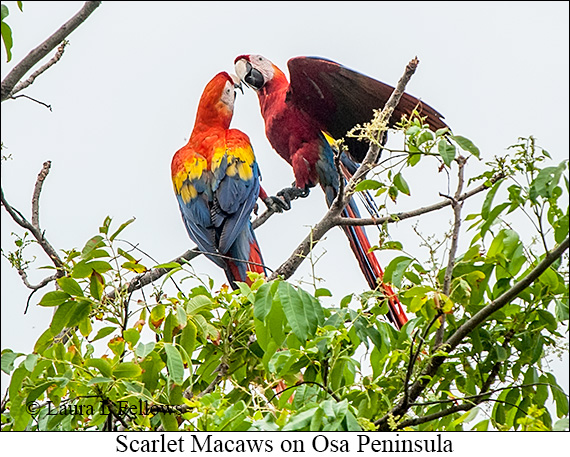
(325, 97)
(216, 182)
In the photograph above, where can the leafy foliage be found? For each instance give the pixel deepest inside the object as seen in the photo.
(272, 356)
(7, 31)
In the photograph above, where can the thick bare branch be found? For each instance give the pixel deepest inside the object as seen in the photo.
(37, 54)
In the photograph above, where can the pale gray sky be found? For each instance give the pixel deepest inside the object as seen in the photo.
(125, 92)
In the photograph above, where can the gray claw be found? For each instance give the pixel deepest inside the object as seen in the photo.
(277, 204)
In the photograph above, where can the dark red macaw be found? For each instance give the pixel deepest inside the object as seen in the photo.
(216, 182)
(325, 97)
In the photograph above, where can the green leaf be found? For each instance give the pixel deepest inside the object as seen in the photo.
(368, 184)
(99, 380)
(299, 313)
(401, 184)
(7, 360)
(174, 363)
(300, 420)
(4, 12)
(70, 286)
(446, 151)
(561, 310)
(167, 266)
(80, 312)
(143, 350)
(127, 370)
(467, 145)
(482, 426)
(96, 285)
(546, 181)
(54, 298)
(561, 425)
(102, 365)
(413, 159)
(395, 270)
(322, 292)
(131, 336)
(188, 337)
(91, 245)
(7, 38)
(84, 269)
(30, 362)
(61, 316)
(43, 341)
(486, 208)
(197, 304)
(559, 396)
(157, 315)
(169, 422)
(102, 333)
(233, 417)
(135, 267)
(151, 366)
(121, 228)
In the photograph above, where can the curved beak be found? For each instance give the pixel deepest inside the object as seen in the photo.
(237, 82)
(249, 75)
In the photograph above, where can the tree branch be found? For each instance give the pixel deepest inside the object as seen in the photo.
(456, 205)
(419, 211)
(36, 195)
(139, 281)
(457, 337)
(34, 228)
(35, 55)
(28, 82)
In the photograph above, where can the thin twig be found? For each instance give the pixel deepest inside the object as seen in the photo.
(23, 84)
(44, 282)
(32, 99)
(222, 370)
(37, 54)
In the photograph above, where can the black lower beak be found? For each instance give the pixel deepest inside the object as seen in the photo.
(254, 78)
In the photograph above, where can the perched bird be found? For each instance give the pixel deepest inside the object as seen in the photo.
(324, 99)
(216, 182)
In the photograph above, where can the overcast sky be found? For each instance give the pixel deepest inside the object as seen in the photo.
(125, 93)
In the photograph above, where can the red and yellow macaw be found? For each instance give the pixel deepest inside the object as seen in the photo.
(216, 182)
(326, 98)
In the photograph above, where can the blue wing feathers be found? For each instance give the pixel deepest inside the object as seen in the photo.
(217, 219)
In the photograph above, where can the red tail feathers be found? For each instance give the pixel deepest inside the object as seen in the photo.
(255, 264)
(371, 268)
